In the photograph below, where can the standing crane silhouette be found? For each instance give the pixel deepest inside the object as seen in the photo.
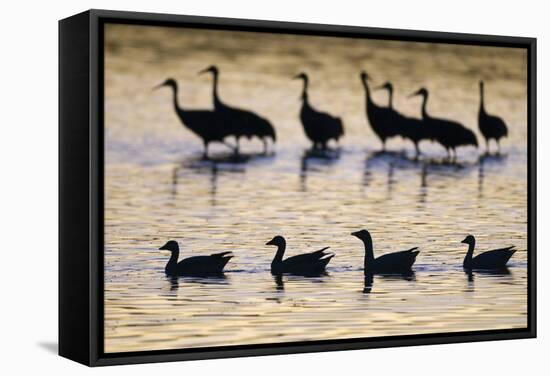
(240, 123)
(490, 126)
(408, 127)
(205, 124)
(450, 134)
(381, 119)
(319, 127)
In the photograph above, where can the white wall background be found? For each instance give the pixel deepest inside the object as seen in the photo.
(28, 206)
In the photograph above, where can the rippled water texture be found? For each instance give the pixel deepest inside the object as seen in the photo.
(158, 188)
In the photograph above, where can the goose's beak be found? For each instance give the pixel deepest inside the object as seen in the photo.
(163, 248)
(354, 233)
(269, 242)
(464, 241)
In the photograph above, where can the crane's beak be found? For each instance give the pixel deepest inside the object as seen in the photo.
(379, 87)
(205, 70)
(414, 94)
(298, 76)
(157, 87)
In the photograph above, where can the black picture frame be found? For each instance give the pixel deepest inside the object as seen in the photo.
(81, 186)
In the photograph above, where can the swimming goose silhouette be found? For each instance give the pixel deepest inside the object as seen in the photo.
(397, 262)
(313, 263)
(195, 265)
(495, 259)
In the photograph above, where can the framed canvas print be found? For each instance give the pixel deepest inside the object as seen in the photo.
(239, 187)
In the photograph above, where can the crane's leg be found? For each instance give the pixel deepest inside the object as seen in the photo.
(237, 138)
(205, 154)
(487, 146)
(448, 154)
(228, 145)
(265, 145)
(417, 151)
(384, 144)
(498, 145)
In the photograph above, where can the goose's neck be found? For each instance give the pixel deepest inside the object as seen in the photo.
(369, 253)
(470, 252)
(424, 105)
(280, 253)
(173, 258)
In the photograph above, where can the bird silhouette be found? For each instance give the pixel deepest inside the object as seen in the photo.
(240, 123)
(490, 126)
(319, 127)
(313, 263)
(449, 134)
(495, 259)
(381, 119)
(196, 265)
(397, 262)
(205, 124)
(407, 127)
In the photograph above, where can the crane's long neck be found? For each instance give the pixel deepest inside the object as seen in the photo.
(482, 99)
(424, 105)
(367, 92)
(217, 101)
(280, 253)
(390, 105)
(304, 90)
(369, 253)
(177, 107)
(182, 113)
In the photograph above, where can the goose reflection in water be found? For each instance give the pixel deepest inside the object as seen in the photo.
(175, 281)
(470, 274)
(309, 278)
(368, 282)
